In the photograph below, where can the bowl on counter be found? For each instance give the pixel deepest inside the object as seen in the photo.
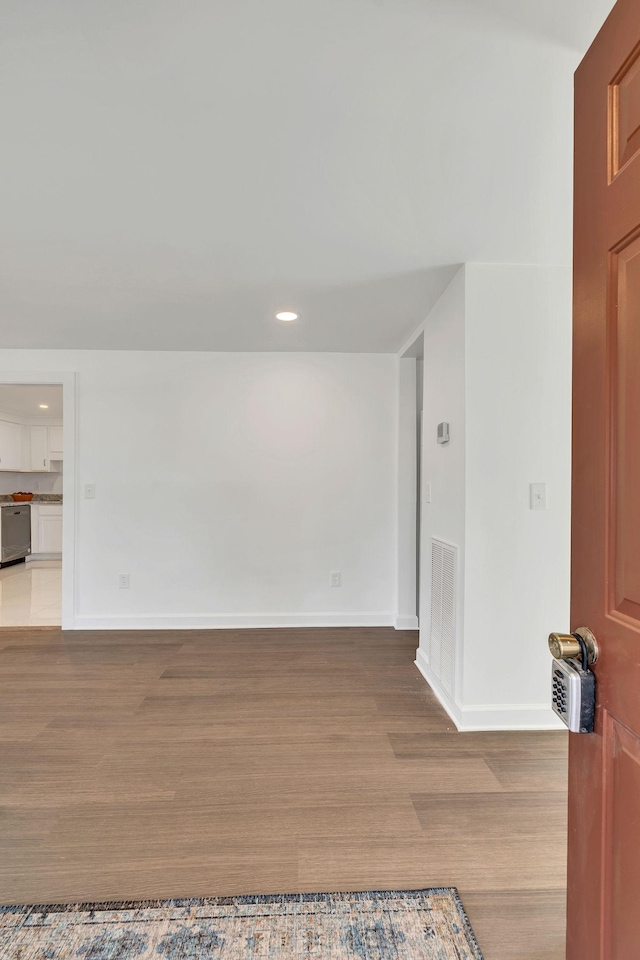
(22, 497)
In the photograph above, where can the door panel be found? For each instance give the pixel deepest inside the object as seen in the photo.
(624, 556)
(622, 840)
(624, 113)
(604, 768)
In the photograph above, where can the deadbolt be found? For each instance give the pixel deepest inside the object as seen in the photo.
(566, 646)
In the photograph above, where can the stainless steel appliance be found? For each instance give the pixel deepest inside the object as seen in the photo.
(15, 532)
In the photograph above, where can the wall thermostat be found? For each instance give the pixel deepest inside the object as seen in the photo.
(443, 432)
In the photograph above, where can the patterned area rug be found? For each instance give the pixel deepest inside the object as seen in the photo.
(412, 925)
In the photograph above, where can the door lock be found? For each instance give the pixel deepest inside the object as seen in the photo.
(568, 646)
(573, 696)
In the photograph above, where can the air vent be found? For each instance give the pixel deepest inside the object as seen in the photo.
(444, 563)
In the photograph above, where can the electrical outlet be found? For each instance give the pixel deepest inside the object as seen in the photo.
(336, 579)
(123, 581)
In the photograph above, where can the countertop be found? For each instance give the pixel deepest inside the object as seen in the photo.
(38, 498)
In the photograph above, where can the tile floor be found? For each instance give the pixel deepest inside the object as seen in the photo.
(31, 594)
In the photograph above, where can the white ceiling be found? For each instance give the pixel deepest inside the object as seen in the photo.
(23, 400)
(174, 173)
(571, 22)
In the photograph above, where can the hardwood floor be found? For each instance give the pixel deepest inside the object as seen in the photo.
(159, 764)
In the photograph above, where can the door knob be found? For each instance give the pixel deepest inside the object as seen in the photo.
(566, 646)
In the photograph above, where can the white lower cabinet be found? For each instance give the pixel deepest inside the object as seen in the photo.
(46, 528)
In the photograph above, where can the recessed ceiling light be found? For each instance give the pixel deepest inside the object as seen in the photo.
(44, 406)
(287, 316)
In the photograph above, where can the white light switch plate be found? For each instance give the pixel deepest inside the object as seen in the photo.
(538, 496)
(89, 491)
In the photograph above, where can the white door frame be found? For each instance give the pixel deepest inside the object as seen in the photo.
(70, 486)
(407, 493)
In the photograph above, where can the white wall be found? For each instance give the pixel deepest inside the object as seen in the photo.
(230, 486)
(498, 368)
(443, 466)
(518, 349)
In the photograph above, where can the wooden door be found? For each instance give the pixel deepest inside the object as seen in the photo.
(604, 768)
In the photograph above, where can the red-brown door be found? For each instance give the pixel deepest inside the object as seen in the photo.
(604, 768)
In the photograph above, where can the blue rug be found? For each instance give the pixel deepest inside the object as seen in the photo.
(407, 924)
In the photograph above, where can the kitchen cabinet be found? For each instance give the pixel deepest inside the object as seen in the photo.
(46, 529)
(55, 443)
(30, 449)
(45, 446)
(39, 441)
(10, 445)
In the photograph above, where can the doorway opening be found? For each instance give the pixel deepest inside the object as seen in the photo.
(31, 502)
(410, 482)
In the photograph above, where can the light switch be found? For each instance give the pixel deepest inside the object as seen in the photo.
(538, 496)
(427, 493)
(89, 491)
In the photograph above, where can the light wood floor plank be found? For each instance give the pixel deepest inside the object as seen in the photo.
(155, 764)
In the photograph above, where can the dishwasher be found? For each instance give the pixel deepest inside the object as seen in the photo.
(15, 533)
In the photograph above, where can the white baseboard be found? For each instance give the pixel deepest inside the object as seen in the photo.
(35, 557)
(443, 697)
(239, 621)
(407, 623)
(510, 716)
(501, 716)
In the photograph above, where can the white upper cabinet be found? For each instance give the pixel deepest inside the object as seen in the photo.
(55, 443)
(25, 449)
(10, 446)
(39, 449)
(46, 445)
